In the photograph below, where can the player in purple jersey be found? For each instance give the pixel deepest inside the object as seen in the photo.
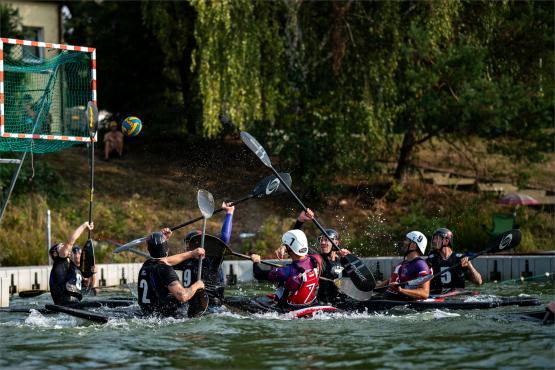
(297, 282)
(413, 266)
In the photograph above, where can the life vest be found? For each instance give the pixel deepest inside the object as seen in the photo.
(306, 293)
(65, 282)
(154, 297)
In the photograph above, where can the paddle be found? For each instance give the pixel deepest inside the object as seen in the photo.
(267, 186)
(87, 254)
(31, 293)
(354, 267)
(199, 303)
(500, 243)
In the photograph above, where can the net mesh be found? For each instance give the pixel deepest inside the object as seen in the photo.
(46, 92)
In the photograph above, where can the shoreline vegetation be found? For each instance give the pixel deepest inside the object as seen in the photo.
(149, 188)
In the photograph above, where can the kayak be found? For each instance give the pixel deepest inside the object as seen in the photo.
(265, 304)
(450, 303)
(110, 303)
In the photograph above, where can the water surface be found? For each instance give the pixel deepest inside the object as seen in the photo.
(398, 339)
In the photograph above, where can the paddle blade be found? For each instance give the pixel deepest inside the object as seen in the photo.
(346, 286)
(127, 246)
(87, 259)
(31, 293)
(205, 202)
(256, 148)
(213, 246)
(271, 184)
(505, 241)
(359, 273)
(198, 304)
(91, 115)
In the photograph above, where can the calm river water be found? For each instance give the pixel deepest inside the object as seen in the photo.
(399, 339)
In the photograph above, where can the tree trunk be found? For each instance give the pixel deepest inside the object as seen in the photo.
(405, 155)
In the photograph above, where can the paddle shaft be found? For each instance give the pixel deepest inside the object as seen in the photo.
(199, 277)
(92, 184)
(140, 240)
(304, 208)
(231, 204)
(249, 258)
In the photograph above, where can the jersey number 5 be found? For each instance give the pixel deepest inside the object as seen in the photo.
(446, 277)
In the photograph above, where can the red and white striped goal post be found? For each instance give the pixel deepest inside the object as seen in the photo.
(46, 45)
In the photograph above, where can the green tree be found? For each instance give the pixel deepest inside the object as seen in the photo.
(458, 77)
(131, 80)
(10, 22)
(173, 23)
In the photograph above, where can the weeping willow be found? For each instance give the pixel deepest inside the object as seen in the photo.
(234, 37)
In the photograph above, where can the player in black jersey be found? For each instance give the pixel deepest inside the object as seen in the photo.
(160, 291)
(442, 258)
(65, 277)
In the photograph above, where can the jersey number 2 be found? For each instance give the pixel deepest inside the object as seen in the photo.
(144, 285)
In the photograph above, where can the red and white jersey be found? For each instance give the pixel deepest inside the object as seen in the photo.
(306, 293)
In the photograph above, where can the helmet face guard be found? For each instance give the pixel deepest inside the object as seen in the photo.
(443, 234)
(157, 245)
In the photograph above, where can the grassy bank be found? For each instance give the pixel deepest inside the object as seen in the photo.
(155, 185)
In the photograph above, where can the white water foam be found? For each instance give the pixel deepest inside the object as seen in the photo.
(36, 319)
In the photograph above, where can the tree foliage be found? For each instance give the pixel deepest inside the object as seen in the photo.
(333, 86)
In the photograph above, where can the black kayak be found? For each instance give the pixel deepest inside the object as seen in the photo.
(264, 304)
(97, 303)
(378, 305)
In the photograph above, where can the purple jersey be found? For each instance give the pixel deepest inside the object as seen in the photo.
(289, 275)
(409, 270)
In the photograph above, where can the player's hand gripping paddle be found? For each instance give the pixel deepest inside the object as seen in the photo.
(199, 303)
(87, 254)
(354, 267)
(267, 186)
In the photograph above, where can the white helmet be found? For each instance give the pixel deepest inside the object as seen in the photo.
(419, 239)
(296, 240)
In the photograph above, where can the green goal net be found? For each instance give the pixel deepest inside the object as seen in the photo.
(44, 91)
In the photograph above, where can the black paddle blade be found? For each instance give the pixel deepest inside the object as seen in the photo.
(505, 241)
(271, 184)
(87, 259)
(91, 115)
(213, 246)
(359, 273)
(198, 304)
(31, 293)
(256, 148)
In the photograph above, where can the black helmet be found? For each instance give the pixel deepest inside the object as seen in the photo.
(445, 234)
(191, 234)
(332, 233)
(157, 245)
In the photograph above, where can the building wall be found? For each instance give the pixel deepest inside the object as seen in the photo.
(40, 14)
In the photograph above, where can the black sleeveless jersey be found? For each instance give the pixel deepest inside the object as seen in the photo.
(212, 275)
(154, 296)
(451, 279)
(327, 291)
(65, 282)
